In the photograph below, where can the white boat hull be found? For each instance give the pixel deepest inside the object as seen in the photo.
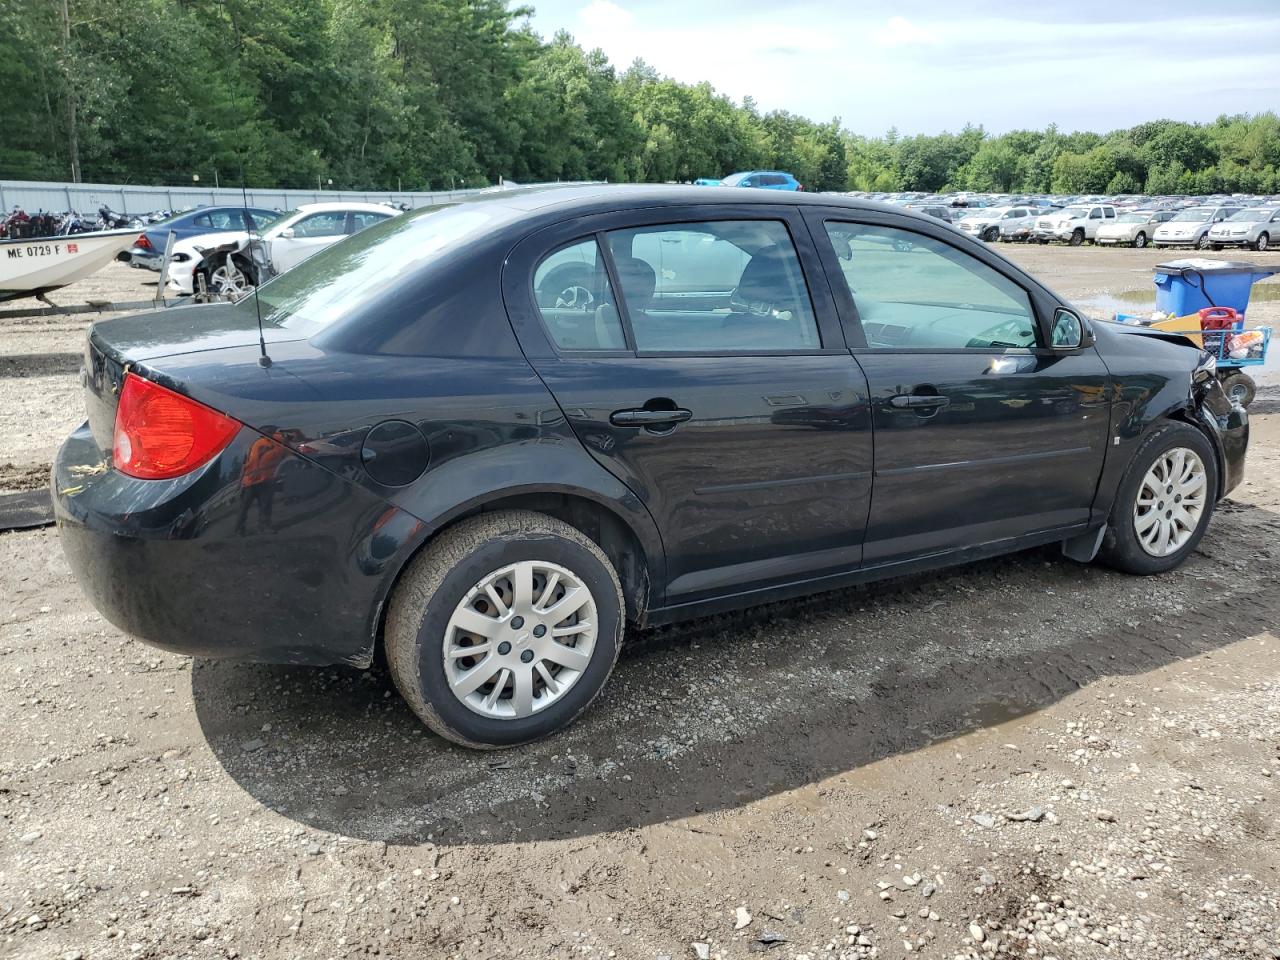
(40, 264)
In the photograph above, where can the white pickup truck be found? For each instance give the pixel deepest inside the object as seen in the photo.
(1074, 224)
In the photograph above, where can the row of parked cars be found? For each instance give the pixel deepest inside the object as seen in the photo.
(288, 238)
(1200, 222)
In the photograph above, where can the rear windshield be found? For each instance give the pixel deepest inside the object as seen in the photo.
(341, 278)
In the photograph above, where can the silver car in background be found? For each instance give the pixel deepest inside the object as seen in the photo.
(1190, 227)
(1257, 227)
(1134, 228)
(985, 223)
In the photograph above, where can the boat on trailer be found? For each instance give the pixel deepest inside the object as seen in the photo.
(31, 267)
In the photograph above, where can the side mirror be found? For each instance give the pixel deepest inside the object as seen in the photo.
(1069, 331)
(286, 233)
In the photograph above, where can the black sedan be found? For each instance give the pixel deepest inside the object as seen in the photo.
(487, 435)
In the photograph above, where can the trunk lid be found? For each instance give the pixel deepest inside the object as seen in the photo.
(114, 346)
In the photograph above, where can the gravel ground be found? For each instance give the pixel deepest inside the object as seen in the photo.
(1025, 757)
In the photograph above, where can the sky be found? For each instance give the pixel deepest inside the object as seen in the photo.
(925, 66)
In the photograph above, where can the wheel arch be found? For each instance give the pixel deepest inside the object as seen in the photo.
(635, 552)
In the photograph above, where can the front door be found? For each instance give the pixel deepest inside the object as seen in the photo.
(696, 363)
(309, 235)
(983, 432)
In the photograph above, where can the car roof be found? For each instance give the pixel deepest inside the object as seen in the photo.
(581, 200)
(357, 205)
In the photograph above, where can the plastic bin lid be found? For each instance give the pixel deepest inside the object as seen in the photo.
(1202, 265)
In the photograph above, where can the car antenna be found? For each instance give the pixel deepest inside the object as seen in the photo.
(263, 359)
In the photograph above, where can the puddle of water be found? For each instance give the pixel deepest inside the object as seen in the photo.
(992, 713)
(1143, 300)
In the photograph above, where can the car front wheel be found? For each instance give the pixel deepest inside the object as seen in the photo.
(1262, 243)
(504, 629)
(1164, 502)
(1140, 240)
(1077, 238)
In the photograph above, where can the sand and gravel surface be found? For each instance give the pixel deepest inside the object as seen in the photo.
(1024, 758)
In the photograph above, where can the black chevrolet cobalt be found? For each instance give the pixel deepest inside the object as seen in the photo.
(488, 435)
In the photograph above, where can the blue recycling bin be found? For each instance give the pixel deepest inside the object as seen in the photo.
(1184, 287)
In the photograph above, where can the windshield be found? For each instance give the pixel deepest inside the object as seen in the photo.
(1256, 215)
(262, 221)
(1075, 213)
(346, 275)
(734, 179)
(1133, 218)
(984, 213)
(1194, 215)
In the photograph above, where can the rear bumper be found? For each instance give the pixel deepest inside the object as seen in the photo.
(148, 259)
(293, 571)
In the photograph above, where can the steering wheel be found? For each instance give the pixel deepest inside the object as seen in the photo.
(575, 297)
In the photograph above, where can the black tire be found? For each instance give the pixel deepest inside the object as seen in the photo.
(1262, 243)
(991, 234)
(1239, 386)
(1120, 547)
(1077, 237)
(1140, 240)
(437, 580)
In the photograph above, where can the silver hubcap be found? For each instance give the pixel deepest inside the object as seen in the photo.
(231, 282)
(1170, 502)
(520, 639)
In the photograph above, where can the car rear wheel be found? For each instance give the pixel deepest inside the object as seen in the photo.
(1164, 502)
(1077, 237)
(1262, 243)
(504, 629)
(1140, 240)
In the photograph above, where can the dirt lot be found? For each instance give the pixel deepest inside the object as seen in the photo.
(1027, 757)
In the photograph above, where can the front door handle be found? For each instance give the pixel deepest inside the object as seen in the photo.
(649, 418)
(916, 401)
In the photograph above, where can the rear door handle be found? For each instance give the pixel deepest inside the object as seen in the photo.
(649, 418)
(913, 401)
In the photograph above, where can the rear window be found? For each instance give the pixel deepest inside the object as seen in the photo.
(342, 278)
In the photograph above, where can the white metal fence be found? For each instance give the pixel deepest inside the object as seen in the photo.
(86, 198)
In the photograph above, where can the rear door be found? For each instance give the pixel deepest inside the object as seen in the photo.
(983, 432)
(698, 356)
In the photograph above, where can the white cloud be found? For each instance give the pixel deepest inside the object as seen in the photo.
(604, 16)
(901, 32)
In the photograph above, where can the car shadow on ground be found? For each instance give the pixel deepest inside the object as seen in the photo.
(717, 713)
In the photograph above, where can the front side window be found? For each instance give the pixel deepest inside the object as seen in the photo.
(575, 299)
(915, 292)
(714, 287)
(332, 224)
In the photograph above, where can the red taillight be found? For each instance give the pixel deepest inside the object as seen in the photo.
(161, 434)
(142, 242)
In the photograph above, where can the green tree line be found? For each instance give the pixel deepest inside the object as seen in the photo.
(430, 94)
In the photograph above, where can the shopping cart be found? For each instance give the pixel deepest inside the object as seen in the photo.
(1221, 332)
